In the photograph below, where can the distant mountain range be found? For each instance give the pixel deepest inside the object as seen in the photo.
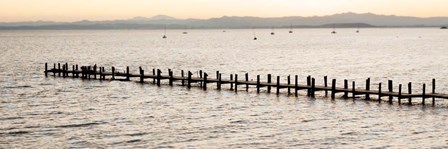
(343, 20)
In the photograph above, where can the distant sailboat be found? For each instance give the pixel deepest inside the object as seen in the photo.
(164, 33)
(255, 37)
(334, 31)
(443, 27)
(357, 31)
(272, 32)
(290, 29)
(185, 30)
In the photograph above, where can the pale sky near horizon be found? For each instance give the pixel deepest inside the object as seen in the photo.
(75, 10)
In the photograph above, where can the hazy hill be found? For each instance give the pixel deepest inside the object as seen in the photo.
(160, 21)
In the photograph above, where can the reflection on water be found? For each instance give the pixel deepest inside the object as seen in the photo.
(41, 112)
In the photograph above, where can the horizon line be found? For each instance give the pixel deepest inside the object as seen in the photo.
(129, 18)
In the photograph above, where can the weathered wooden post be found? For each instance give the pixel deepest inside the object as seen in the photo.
(258, 83)
(313, 87)
(236, 83)
(296, 85)
(142, 75)
(94, 71)
(219, 81)
(104, 76)
(390, 83)
(353, 89)
(289, 83)
(101, 73)
(278, 85)
(200, 76)
(247, 81)
(379, 92)
(269, 82)
(77, 74)
(82, 72)
(368, 88)
(170, 79)
(54, 69)
(217, 78)
(308, 85)
(325, 85)
(399, 94)
(59, 69)
(231, 81)
(189, 79)
(88, 72)
(46, 70)
(205, 81)
(63, 70)
(154, 76)
(127, 74)
(73, 71)
(159, 76)
(346, 88)
(113, 73)
(333, 89)
(410, 92)
(182, 75)
(433, 91)
(66, 70)
(424, 94)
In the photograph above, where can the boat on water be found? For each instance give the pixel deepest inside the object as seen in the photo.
(272, 32)
(255, 37)
(334, 31)
(290, 29)
(185, 30)
(164, 32)
(357, 30)
(443, 27)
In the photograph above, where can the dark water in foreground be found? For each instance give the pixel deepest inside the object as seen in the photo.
(39, 112)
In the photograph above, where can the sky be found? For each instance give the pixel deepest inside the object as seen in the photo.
(75, 10)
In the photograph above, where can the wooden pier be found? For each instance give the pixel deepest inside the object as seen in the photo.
(186, 78)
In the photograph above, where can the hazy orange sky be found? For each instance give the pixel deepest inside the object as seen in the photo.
(75, 10)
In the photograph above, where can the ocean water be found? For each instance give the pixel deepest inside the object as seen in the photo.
(53, 112)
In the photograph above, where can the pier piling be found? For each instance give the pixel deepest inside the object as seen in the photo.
(269, 82)
(326, 85)
(423, 94)
(296, 85)
(278, 85)
(236, 83)
(410, 92)
(390, 90)
(367, 88)
(258, 83)
(333, 89)
(205, 81)
(399, 94)
(346, 88)
(433, 91)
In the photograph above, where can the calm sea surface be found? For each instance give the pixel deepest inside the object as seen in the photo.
(39, 112)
